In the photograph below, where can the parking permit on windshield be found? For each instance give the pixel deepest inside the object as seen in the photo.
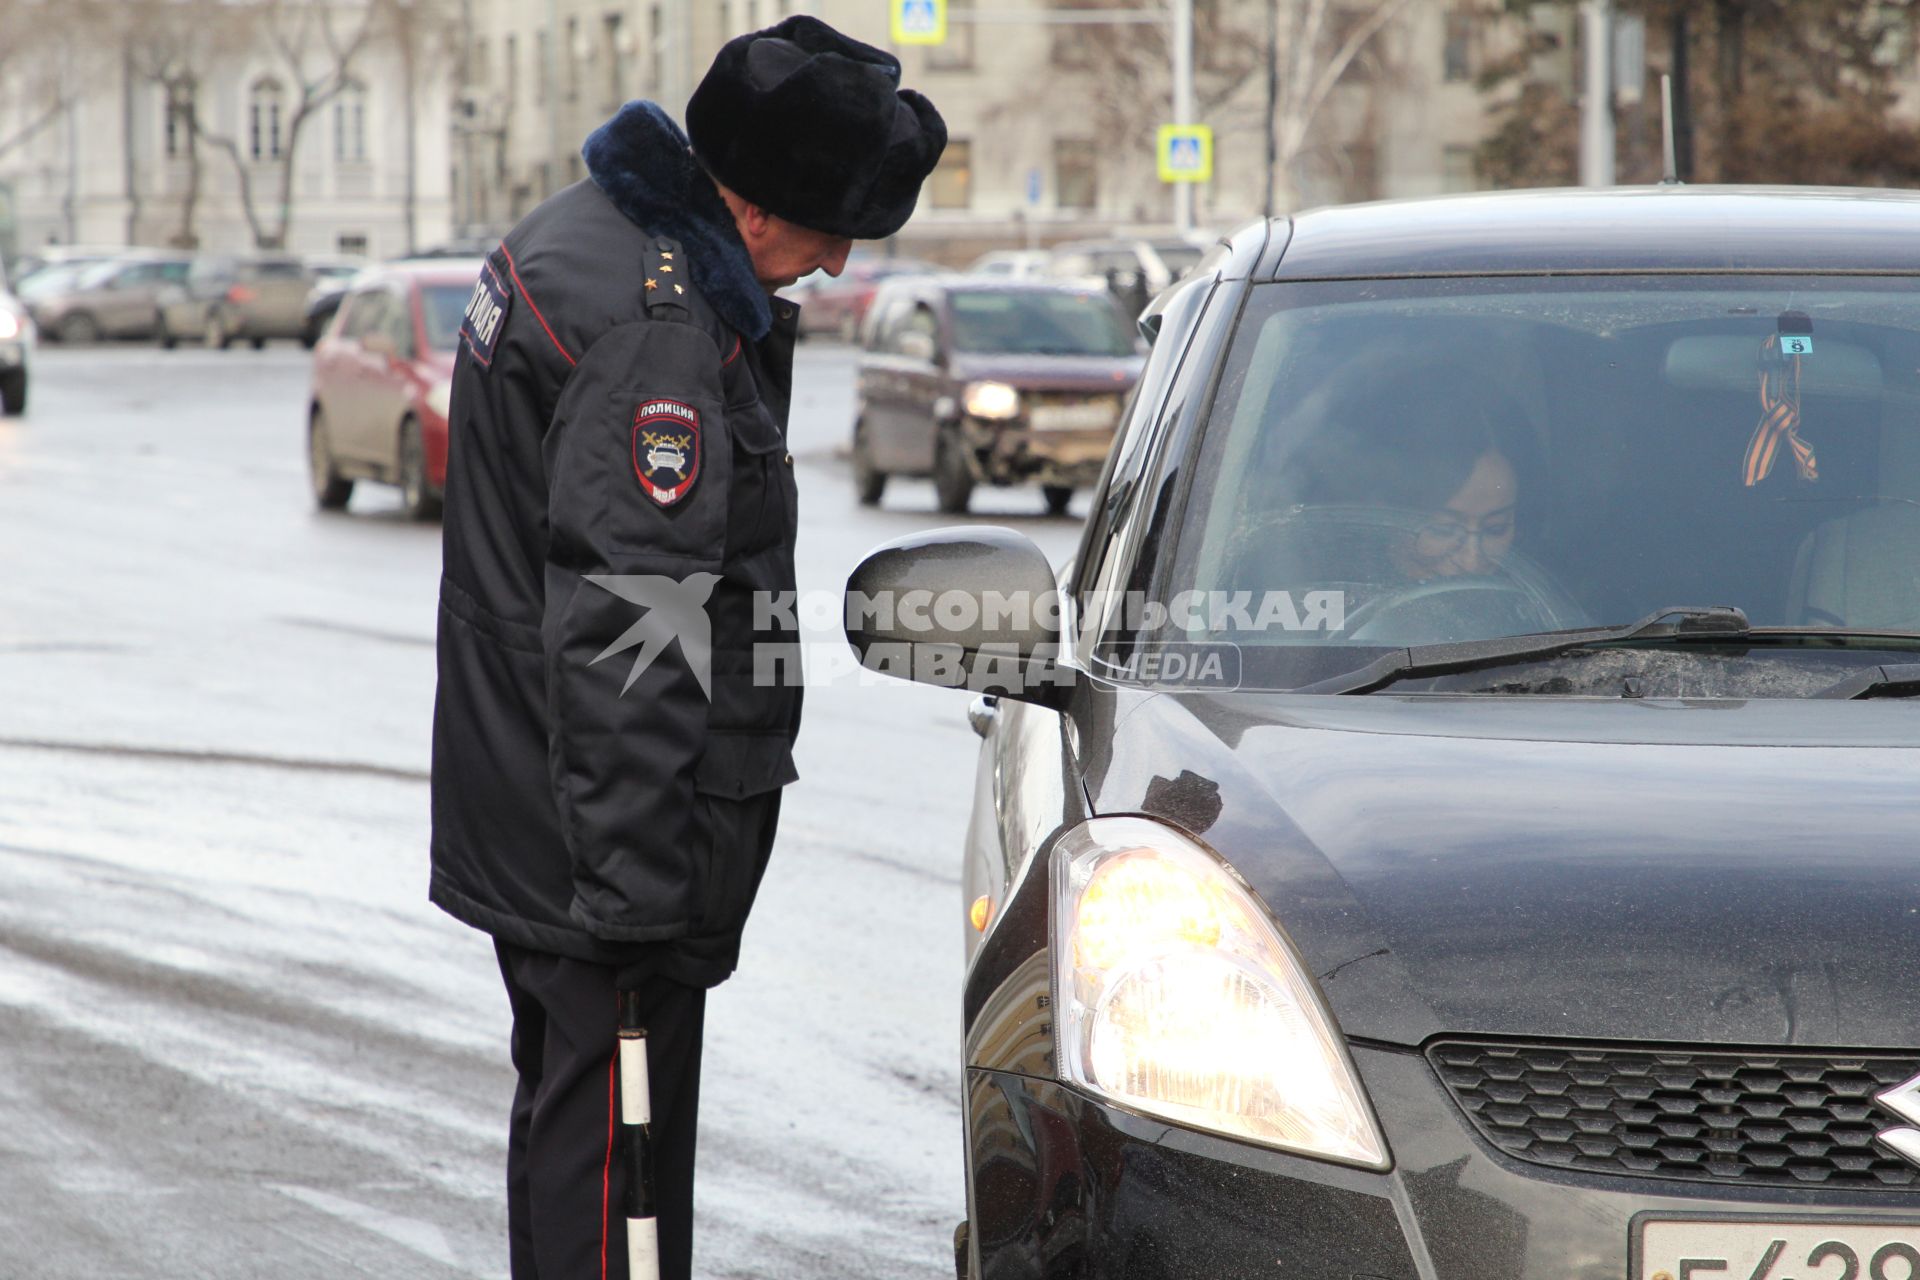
(1796, 344)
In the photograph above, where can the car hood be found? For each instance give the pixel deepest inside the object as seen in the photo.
(1727, 873)
(1049, 373)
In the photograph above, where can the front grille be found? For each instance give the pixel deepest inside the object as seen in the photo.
(1756, 1119)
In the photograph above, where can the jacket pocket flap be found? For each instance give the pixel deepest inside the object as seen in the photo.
(744, 764)
(754, 429)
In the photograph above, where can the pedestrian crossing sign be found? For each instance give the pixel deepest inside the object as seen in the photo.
(1186, 153)
(919, 21)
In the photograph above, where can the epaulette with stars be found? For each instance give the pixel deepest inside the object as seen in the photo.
(665, 281)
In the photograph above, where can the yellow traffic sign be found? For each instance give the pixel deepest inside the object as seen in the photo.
(919, 21)
(1186, 153)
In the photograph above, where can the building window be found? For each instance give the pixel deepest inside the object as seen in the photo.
(951, 186)
(570, 56)
(264, 103)
(1457, 53)
(616, 60)
(957, 53)
(542, 57)
(1076, 173)
(512, 68)
(351, 243)
(179, 120)
(1459, 169)
(482, 70)
(656, 49)
(350, 124)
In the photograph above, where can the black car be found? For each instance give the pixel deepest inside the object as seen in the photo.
(997, 382)
(1429, 830)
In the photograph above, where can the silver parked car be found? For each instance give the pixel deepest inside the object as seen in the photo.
(225, 300)
(114, 299)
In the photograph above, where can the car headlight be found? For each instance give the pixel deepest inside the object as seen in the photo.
(1178, 996)
(9, 325)
(992, 400)
(440, 399)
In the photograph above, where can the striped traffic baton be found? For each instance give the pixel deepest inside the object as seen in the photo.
(636, 1126)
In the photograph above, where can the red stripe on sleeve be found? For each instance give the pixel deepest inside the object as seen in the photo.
(514, 271)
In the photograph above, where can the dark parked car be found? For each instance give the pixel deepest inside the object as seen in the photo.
(382, 375)
(1434, 835)
(978, 381)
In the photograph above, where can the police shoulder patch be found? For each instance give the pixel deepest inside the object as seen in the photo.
(666, 449)
(486, 315)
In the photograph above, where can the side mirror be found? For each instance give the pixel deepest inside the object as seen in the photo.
(969, 607)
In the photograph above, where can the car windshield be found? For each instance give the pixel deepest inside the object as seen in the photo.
(48, 280)
(1450, 461)
(1037, 322)
(444, 305)
(96, 274)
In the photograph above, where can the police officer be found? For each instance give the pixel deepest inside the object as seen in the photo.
(608, 754)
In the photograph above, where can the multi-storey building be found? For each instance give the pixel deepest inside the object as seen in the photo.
(1052, 120)
(103, 150)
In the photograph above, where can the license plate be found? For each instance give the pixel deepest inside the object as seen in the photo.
(1777, 1248)
(1095, 415)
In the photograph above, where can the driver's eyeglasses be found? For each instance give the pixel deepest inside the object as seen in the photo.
(1443, 536)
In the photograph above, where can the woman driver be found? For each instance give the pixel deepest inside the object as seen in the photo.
(1443, 456)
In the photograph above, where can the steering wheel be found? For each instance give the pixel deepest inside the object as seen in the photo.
(1385, 619)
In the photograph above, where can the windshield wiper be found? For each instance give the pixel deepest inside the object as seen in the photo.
(1894, 680)
(1679, 624)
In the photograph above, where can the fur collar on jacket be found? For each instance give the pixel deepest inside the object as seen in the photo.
(641, 160)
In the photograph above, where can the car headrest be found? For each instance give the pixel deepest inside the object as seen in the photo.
(1859, 570)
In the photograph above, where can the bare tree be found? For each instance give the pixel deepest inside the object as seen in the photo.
(1313, 44)
(316, 44)
(1778, 91)
(46, 55)
(1319, 43)
(178, 46)
(421, 32)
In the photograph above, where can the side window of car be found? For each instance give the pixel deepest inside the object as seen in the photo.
(400, 324)
(366, 311)
(919, 334)
(1100, 557)
(174, 272)
(882, 321)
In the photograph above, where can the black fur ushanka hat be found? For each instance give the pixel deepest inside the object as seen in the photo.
(814, 128)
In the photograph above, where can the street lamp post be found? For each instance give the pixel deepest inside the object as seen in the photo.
(1181, 13)
(1596, 108)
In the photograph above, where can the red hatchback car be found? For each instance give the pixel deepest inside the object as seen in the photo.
(381, 378)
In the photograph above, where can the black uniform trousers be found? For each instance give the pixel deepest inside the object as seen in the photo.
(565, 1183)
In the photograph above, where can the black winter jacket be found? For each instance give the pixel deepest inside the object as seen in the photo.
(618, 452)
